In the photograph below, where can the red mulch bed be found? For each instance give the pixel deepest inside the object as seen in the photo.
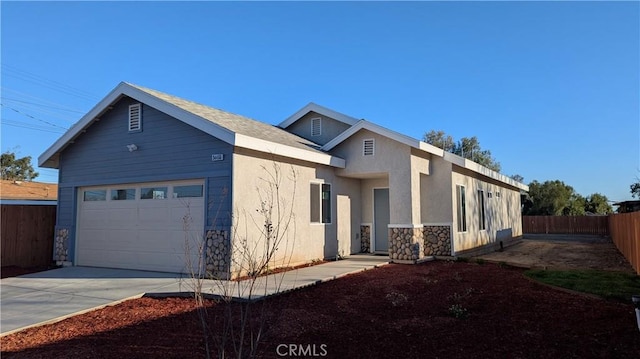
(397, 311)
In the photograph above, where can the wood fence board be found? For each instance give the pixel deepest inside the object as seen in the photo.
(27, 235)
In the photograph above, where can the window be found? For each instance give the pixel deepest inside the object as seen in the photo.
(187, 191)
(320, 201)
(483, 225)
(135, 118)
(497, 194)
(368, 147)
(153, 193)
(95, 195)
(123, 194)
(462, 209)
(316, 126)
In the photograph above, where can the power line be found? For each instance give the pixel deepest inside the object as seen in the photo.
(31, 127)
(41, 105)
(35, 118)
(23, 75)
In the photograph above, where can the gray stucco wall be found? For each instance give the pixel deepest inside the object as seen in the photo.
(330, 128)
(435, 188)
(305, 241)
(502, 213)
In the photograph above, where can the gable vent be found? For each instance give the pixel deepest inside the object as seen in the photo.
(135, 117)
(316, 126)
(368, 147)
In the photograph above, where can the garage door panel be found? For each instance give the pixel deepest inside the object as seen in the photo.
(139, 233)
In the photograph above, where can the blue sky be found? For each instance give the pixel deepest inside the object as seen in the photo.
(551, 88)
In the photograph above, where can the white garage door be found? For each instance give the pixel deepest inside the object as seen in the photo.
(140, 226)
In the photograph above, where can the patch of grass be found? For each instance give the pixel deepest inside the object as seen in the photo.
(480, 261)
(462, 259)
(611, 285)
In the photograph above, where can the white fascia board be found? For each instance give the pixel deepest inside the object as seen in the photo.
(44, 160)
(257, 144)
(320, 110)
(475, 167)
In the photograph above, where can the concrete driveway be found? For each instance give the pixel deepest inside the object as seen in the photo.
(47, 297)
(50, 296)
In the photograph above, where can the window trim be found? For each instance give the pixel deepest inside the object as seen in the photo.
(461, 208)
(481, 211)
(321, 204)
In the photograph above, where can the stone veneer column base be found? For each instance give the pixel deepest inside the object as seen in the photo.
(218, 254)
(437, 240)
(365, 238)
(61, 247)
(405, 242)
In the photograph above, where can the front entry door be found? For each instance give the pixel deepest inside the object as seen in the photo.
(381, 219)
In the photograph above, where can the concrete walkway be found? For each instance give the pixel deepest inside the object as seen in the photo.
(47, 297)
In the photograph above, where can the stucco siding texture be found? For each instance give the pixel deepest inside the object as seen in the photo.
(304, 241)
(436, 205)
(501, 206)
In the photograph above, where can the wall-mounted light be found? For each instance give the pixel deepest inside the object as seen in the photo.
(132, 147)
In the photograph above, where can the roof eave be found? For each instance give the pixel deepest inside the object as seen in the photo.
(48, 159)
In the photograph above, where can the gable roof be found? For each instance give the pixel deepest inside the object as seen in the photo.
(233, 129)
(28, 190)
(312, 107)
(423, 146)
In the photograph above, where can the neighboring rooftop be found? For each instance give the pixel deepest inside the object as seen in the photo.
(23, 190)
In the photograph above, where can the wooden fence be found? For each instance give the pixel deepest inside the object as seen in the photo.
(594, 225)
(26, 234)
(625, 233)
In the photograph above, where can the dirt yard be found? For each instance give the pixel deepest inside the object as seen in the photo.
(563, 253)
(436, 309)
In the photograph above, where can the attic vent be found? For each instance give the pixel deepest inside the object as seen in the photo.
(368, 147)
(135, 118)
(316, 126)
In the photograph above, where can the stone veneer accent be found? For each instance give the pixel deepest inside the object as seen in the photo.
(217, 255)
(365, 239)
(405, 243)
(437, 240)
(61, 245)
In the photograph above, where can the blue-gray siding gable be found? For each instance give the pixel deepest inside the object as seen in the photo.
(167, 149)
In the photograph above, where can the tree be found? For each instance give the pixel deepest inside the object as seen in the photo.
(635, 189)
(467, 147)
(440, 140)
(517, 178)
(551, 198)
(16, 169)
(598, 203)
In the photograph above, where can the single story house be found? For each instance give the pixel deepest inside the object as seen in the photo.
(132, 167)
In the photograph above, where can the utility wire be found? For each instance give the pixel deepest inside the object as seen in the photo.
(15, 72)
(30, 127)
(35, 118)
